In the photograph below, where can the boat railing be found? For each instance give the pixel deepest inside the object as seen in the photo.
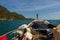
(8, 33)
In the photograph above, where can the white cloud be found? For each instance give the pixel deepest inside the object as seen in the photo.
(40, 7)
(54, 15)
(31, 5)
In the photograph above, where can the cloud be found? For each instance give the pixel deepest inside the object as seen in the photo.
(53, 15)
(30, 5)
(29, 8)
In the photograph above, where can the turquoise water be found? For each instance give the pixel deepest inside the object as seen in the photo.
(6, 26)
(55, 22)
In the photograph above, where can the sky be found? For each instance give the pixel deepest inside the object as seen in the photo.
(46, 9)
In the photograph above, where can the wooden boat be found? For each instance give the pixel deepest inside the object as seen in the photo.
(39, 30)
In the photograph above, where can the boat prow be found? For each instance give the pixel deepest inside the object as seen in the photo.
(38, 29)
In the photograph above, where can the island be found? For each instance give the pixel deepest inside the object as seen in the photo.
(5, 14)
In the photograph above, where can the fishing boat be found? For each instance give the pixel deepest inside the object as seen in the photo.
(39, 30)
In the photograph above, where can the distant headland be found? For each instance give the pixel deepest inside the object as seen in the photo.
(5, 14)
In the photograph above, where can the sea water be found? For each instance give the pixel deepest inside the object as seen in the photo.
(6, 26)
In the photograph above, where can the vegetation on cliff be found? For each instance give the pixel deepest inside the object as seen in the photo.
(5, 14)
